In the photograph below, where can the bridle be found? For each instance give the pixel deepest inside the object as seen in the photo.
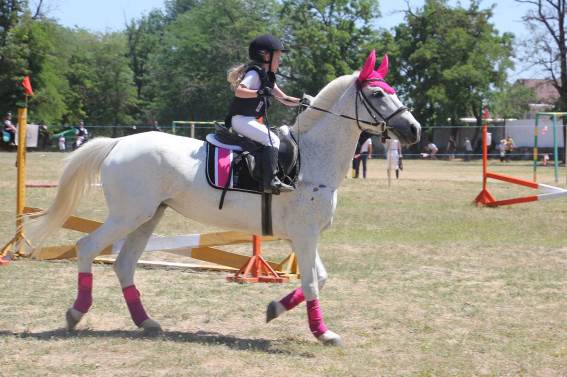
(382, 126)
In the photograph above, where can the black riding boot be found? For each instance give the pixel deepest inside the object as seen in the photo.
(271, 182)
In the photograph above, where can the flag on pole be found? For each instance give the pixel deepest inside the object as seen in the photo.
(26, 83)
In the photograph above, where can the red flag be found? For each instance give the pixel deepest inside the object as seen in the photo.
(27, 86)
(485, 113)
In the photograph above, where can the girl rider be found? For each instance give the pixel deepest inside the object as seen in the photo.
(253, 83)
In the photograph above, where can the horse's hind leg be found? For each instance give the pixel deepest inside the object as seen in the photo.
(89, 247)
(125, 267)
(296, 297)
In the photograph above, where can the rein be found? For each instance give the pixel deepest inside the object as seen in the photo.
(382, 125)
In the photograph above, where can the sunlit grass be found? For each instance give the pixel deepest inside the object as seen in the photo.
(421, 283)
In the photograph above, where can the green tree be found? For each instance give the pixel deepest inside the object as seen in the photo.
(47, 68)
(547, 46)
(188, 72)
(78, 47)
(450, 59)
(144, 36)
(14, 52)
(111, 99)
(174, 8)
(512, 101)
(11, 12)
(328, 38)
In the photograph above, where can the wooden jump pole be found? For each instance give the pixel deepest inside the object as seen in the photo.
(253, 269)
(21, 177)
(5, 253)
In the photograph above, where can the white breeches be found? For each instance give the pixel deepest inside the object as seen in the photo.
(252, 129)
(393, 160)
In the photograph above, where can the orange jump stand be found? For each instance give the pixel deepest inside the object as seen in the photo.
(257, 270)
(485, 198)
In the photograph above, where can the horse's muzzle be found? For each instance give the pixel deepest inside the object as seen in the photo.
(407, 132)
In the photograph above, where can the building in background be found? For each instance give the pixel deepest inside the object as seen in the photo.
(546, 93)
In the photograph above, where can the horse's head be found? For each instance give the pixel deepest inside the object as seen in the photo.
(378, 102)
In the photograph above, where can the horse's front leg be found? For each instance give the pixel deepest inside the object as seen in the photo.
(306, 249)
(295, 297)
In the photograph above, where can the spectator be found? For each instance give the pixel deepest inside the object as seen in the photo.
(451, 147)
(393, 157)
(155, 126)
(43, 137)
(510, 145)
(468, 149)
(82, 135)
(62, 143)
(9, 130)
(502, 149)
(432, 150)
(362, 154)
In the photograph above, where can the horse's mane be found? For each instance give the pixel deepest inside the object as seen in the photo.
(326, 99)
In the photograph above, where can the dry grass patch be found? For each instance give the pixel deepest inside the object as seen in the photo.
(421, 284)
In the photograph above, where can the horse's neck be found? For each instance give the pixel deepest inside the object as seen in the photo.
(327, 149)
(327, 142)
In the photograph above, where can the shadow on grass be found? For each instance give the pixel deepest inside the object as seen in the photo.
(201, 337)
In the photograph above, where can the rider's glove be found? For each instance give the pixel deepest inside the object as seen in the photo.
(265, 92)
(306, 100)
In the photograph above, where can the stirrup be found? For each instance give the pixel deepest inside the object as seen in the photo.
(276, 187)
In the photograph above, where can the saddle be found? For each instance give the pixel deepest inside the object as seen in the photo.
(231, 165)
(226, 149)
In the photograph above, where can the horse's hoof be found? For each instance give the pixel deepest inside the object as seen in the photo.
(151, 327)
(329, 338)
(273, 311)
(73, 317)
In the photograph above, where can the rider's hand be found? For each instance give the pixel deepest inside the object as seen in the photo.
(265, 92)
(306, 100)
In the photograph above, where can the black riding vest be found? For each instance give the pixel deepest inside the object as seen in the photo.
(255, 107)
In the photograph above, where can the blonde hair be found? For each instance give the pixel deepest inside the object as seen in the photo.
(236, 74)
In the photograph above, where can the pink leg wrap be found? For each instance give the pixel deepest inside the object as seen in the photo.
(84, 296)
(315, 316)
(137, 312)
(293, 299)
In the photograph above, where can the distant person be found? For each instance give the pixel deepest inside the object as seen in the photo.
(393, 158)
(62, 143)
(468, 149)
(432, 150)
(502, 150)
(82, 135)
(9, 130)
(155, 126)
(362, 153)
(510, 146)
(451, 147)
(43, 137)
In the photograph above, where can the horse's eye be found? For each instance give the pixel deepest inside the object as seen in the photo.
(378, 94)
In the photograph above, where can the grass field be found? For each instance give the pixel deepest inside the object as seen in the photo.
(421, 283)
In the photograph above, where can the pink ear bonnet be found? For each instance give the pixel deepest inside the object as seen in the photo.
(375, 78)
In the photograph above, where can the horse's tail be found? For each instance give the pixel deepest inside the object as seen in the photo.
(80, 172)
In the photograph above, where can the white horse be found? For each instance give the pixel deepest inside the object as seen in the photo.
(143, 174)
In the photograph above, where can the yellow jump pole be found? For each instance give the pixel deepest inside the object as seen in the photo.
(21, 176)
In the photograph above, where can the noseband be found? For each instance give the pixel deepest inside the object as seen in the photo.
(382, 125)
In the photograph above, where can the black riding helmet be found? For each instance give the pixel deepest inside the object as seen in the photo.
(265, 43)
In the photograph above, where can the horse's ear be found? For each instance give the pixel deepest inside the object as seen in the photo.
(383, 69)
(368, 66)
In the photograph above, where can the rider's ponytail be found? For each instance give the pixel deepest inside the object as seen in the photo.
(235, 75)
